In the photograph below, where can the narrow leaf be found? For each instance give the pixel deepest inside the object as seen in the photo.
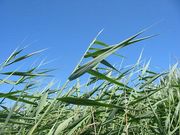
(85, 102)
(104, 77)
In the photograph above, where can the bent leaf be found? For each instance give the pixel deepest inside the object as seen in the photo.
(102, 54)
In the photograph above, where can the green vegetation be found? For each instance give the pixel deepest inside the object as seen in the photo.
(130, 100)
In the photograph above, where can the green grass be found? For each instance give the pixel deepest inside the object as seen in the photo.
(132, 100)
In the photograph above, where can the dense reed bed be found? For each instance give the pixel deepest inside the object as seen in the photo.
(130, 100)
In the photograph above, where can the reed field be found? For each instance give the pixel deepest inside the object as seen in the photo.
(111, 100)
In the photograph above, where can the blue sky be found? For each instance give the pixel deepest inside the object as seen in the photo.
(66, 27)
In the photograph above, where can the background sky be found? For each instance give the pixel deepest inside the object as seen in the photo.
(66, 27)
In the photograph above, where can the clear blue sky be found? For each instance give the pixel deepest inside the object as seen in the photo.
(66, 27)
